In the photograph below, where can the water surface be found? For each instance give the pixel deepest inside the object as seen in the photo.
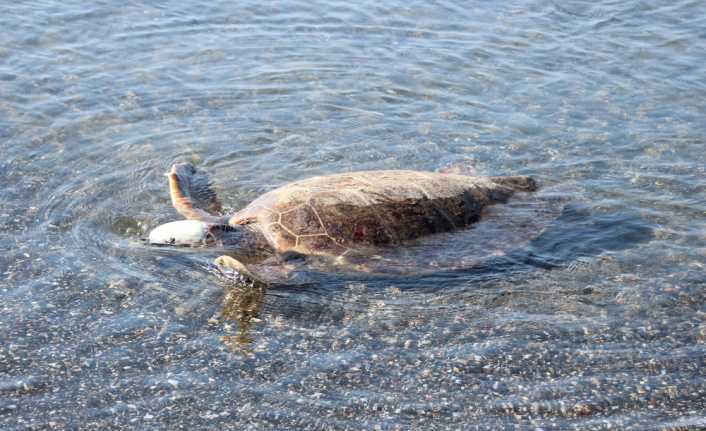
(598, 323)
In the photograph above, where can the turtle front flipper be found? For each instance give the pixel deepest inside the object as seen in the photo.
(191, 194)
(277, 269)
(233, 264)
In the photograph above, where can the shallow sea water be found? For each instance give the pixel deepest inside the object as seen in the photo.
(599, 323)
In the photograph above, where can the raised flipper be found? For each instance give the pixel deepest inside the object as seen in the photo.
(192, 195)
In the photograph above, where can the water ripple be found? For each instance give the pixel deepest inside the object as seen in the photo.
(593, 321)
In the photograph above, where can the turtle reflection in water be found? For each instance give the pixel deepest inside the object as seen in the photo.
(343, 218)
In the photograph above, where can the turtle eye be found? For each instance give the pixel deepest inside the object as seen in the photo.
(172, 241)
(210, 237)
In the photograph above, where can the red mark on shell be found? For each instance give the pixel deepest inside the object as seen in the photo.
(359, 232)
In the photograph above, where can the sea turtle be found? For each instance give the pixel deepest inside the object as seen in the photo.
(332, 216)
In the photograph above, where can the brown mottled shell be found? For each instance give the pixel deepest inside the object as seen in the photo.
(330, 215)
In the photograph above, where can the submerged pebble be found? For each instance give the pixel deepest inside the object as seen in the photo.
(598, 324)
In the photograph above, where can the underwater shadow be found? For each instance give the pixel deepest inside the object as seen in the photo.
(577, 233)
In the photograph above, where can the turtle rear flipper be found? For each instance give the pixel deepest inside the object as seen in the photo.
(191, 194)
(463, 167)
(522, 183)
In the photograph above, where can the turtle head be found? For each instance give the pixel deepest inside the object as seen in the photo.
(196, 233)
(183, 232)
(193, 233)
